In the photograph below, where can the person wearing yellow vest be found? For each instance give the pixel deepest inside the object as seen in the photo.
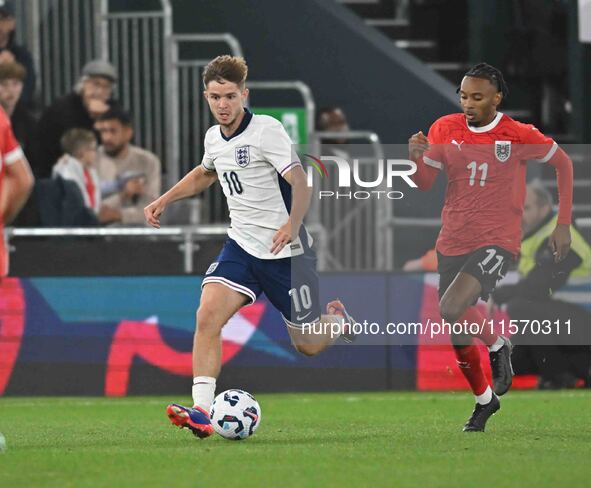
(532, 298)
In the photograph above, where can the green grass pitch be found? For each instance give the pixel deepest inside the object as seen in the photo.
(338, 439)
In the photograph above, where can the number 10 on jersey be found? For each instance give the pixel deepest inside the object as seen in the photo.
(233, 183)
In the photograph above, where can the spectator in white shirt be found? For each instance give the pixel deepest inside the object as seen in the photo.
(78, 165)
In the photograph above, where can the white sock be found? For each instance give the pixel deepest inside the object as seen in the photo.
(485, 398)
(203, 392)
(497, 344)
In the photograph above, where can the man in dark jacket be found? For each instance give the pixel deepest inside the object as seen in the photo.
(91, 97)
(558, 358)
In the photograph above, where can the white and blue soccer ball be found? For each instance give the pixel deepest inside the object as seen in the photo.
(235, 414)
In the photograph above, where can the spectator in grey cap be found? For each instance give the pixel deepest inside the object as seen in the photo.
(90, 98)
(11, 52)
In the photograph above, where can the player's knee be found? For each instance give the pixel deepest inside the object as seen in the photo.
(207, 321)
(308, 350)
(450, 309)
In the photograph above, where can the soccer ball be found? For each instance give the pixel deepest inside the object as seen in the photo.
(235, 414)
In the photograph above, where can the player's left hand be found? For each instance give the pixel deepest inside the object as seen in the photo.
(560, 242)
(283, 236)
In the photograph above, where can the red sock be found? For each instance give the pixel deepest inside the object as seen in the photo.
(473, 315)
(468, 358)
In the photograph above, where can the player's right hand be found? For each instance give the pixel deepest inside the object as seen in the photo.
(417, 145)
(153, 212)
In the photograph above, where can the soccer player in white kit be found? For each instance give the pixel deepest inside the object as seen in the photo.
(268, 248)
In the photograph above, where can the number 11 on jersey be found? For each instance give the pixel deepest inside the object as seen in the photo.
(483, 168)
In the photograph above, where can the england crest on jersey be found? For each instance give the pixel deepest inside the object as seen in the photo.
(503, 150)
(242, 155)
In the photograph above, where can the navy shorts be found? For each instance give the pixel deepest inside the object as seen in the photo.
(291, 284)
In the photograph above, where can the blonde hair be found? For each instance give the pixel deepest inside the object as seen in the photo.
(226, 68)
(76, 140)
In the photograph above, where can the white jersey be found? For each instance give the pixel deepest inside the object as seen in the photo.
(250, 165)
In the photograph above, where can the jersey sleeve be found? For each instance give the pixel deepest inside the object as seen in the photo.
(434, 157)
(538, 147)
(277, 149)
(207, 160)
(10, 148)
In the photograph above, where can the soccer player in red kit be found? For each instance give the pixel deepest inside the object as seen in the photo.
(16, 181)
(484, 154)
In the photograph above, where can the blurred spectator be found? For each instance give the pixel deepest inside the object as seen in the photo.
(427, 262)
(59, 203)
(11, 52)
(12, 77)
(128, 171)
(532, 299)
(91, 97)
(332, 119)
(77, 165)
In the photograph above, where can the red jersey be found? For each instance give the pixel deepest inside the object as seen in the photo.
(486, 169)
(10, 153)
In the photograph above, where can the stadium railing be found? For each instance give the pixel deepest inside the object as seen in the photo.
(189, 235)
(356, 232)
(138, 43)
(301, 88)
(199, 244)
(60, 34)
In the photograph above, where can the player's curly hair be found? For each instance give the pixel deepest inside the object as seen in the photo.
(226, 68)
(490, 73)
